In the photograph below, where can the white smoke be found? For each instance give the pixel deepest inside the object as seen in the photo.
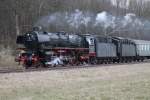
(105, 19)
(74, 19)
(131, 20)
(101, 21)
(78, 18)
(128, 18)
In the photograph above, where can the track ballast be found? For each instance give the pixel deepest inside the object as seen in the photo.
(32, 69)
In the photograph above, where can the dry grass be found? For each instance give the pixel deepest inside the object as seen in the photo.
(7, 59)
(104, 83)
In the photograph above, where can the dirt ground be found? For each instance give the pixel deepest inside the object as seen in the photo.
(117, 82)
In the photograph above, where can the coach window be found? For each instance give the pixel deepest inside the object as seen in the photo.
(141, 47)
(145, 47)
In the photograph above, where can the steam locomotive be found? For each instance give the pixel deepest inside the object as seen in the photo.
(52, 49)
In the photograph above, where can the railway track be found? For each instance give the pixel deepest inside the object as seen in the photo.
(8, 70)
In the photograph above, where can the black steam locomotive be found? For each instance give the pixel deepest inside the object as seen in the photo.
(51, 49)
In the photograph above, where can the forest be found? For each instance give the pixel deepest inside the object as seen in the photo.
(126, 18)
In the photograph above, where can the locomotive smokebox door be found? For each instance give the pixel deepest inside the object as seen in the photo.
(20, 40)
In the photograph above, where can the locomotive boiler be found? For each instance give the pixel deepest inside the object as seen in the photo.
(44, 40)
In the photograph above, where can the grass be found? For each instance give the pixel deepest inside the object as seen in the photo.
(7, 59)
(103, 83)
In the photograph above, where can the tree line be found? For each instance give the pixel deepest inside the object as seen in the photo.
(19, 16)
